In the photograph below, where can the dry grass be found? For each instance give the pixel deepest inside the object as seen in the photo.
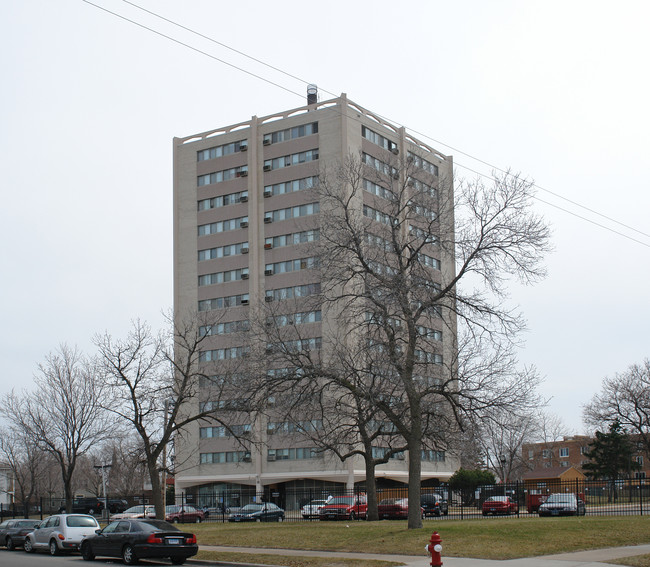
(488, 539)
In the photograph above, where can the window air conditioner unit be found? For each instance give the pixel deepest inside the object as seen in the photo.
(268, 193)
(243, 147)
(244, 301)
(268, 220)
(243, 199)
(395, 151)
(243, 224)
(270, 457)
(246, 432)
(244, 250)
(243, 173)
(268, 298)
(396, 176)
(266, 142)
(267, 168)
(246, 458)
(268, 272)
(244, 276)
(268, 246)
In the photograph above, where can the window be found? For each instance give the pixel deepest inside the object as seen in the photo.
(424, 235)
(224, 328)
(421, 187)
(291, 239)
(378, 165)
(378, 190)
(223, 251)
(293, 212)
(546, 453)
(223, 302)
(531, 454)
(378, 139)
(291, 186)
(423, 164)
(221, 176)
(221, 431)
(564, 464)
(429, 261)
(427, 357)
(220, 151)
(639, 459)
(223, 277)
(223, 201)
(295, 319)
(434, 456)
(564, 452)
(293, 454)
(293, 292)
(291, 159)
(225, 457)
(429, 333)
(378, 216)
(222, 226)
(286, 427)
(299, 345)
(290, 266)
(291, 133)
(222, 354)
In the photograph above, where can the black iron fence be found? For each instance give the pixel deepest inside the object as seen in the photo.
(513, 499)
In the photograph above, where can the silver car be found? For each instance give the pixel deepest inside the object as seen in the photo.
(61, 532)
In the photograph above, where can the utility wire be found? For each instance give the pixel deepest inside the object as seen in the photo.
(421, 134)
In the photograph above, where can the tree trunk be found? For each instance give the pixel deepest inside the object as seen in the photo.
(154, 476)
(415, 473)
(371, 489)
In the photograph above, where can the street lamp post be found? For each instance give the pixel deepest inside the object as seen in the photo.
(103, 469)
(502, 458)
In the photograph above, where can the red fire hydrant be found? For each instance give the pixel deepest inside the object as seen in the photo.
(435, 549)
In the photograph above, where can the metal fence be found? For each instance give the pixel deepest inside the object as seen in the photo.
(600, 497)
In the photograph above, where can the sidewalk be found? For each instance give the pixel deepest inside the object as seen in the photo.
(593, 558)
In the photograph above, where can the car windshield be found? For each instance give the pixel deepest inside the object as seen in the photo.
(171, 509)
(561, 498)
(81, 522)
(252, 508)
(341, 500)
(497, 499)
(388, 501)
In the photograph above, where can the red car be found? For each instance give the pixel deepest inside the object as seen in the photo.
(500, 505)
(395, 509)
(344, 508)
(184, 513)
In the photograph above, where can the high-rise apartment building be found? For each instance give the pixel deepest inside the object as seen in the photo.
(244, 217)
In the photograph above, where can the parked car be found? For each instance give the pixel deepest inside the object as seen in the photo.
(133, 540)
(312, 509)
(117, 505)
(91, 505)
(266, 512)
(434, 504)
(344, 507)
(139, 511)
(395, 509)
(500, 505)
(184, 513)
(61, 532)
(560, 504)
(13, 532)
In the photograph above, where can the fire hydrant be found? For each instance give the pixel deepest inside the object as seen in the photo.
(435, 549)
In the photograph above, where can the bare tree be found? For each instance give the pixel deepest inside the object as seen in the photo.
(26, 463)
(623, 398)
(63, 415)
(392, 272)
(155, 380)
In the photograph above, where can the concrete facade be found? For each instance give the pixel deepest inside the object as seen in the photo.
(228, 183)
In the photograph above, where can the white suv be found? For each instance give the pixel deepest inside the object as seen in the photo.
(61, 532)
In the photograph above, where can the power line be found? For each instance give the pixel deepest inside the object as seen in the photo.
(421, 134)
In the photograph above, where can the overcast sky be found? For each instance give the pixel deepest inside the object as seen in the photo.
(556, 90)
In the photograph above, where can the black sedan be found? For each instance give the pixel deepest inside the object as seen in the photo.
(140, 539)
(267, 512)
(13, 532)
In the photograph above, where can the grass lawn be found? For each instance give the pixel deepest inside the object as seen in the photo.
(488, 539)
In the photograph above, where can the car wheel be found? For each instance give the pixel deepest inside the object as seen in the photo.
(87, 552)
(352, 516)
(178, 560)
(175, 520)
(198, 519)
(28, 547)
(10, 544)
(54, 549)
(280, 519)
(128, 555)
